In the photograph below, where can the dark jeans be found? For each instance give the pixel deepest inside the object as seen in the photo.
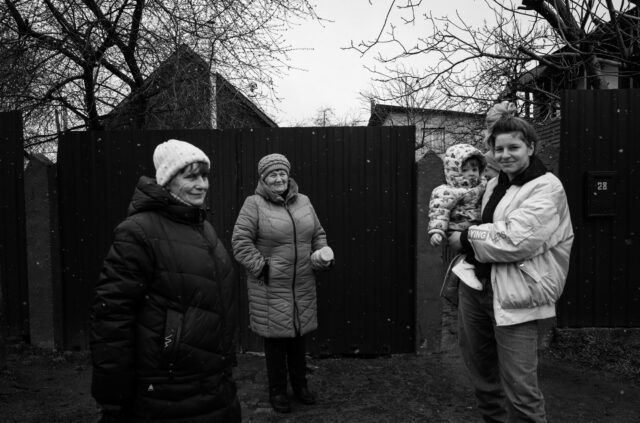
(502, 360)
(284, 354)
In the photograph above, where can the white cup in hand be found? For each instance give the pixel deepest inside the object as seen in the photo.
(326, 255)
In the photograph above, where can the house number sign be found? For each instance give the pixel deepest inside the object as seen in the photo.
(600, 193)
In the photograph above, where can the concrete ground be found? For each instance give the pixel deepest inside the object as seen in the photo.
(44, 387)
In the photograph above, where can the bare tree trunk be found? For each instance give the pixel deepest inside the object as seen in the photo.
(93, 121)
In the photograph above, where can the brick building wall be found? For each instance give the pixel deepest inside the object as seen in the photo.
(548, 149)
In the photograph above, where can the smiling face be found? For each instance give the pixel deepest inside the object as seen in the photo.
(277, 181)
(512, 153)
(191, 184)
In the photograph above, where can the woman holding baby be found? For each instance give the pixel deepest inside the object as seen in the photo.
(281, 243)
(522, 246)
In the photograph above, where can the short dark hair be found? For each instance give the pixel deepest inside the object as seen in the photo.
(510, 124)
(195, 168)
(473, 159)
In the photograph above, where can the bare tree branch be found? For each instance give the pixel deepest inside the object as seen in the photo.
(527, 52)
(81, 58)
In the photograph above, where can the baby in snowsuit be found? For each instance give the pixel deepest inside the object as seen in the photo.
(455, 206)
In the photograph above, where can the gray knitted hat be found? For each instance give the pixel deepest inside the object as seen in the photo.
(273, 162)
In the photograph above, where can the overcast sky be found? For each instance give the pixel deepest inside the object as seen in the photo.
(334, 77)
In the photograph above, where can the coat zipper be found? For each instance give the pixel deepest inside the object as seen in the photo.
(212, 250)
(172, 339)
(296, 318)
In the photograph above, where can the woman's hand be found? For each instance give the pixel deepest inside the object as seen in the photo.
(317, 262)
(454, 242)
(264, 273)
(436, 239)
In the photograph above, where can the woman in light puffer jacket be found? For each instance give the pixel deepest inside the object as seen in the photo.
(275, 237)
(523, 246)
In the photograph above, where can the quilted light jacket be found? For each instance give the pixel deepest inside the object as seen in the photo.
(283, 232)
(528, 244)
(455, 206)
(164, 316)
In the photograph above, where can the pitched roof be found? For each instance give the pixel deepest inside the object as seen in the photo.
(184, 54)
(246, 102)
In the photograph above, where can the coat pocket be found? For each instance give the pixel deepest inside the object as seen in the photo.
(172, 333)
(522, 288)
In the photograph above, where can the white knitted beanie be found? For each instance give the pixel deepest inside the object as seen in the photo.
(273, 162)
(171, 156)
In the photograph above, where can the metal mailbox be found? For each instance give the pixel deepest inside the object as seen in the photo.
(600, 193)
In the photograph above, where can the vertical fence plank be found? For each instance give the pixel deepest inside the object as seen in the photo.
(14, 308)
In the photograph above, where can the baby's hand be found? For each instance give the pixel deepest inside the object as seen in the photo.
(435, 240)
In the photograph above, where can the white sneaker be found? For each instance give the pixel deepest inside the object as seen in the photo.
(466, 272)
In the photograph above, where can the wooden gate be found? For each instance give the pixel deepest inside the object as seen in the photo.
(360, 181)
(600, 167)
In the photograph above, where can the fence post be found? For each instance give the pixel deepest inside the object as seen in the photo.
(14, 319)
(43, 262)
(3, 346)
(429, 261)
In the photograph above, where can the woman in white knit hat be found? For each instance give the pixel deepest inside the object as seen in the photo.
(281, 243)
(164, 314)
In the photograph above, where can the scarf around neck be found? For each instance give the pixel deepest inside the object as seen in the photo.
(535, 169)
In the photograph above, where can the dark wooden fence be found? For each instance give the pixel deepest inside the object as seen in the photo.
(14, 308)
(600, 167)
(360, 181)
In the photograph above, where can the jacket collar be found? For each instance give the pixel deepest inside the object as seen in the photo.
(535, 169)
(263, 191)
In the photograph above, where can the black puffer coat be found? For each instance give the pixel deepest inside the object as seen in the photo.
(164, 316)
